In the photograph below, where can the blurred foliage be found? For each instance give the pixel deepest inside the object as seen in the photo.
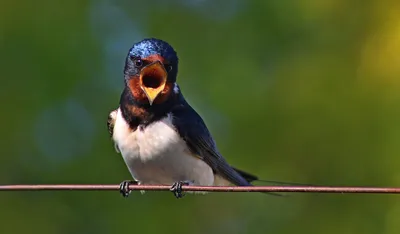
(302, 91)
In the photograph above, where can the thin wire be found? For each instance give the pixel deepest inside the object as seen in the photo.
(289, 189)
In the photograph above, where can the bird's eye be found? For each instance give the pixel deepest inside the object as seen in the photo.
(138, 62)
(168, 68)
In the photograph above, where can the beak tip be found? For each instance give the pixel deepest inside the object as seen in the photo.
(159, 74)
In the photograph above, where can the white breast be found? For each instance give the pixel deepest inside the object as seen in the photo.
(158, 155)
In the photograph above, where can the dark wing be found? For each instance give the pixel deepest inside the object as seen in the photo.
(193, 130)
(111, 122)
(110, 125)
(249, 177)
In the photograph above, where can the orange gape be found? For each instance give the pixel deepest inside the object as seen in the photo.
(140, 96)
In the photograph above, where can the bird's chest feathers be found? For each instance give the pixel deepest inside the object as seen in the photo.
(156, 154)
(157, 139)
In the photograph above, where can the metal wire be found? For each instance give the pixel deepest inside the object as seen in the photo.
(291, 189)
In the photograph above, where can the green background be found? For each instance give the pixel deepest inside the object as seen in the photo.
(299, 91)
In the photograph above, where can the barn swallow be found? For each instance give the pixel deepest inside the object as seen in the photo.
(161, 138)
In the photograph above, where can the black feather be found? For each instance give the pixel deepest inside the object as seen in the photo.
(249, 177)
(193, 130)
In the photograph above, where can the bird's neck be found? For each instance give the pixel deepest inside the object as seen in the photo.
(137, 113)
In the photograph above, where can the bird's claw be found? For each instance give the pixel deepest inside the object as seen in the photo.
(176, 188)
(124, 187)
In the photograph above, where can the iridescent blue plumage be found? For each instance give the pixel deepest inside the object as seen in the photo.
(152, 46)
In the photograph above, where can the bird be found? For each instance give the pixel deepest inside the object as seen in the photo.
(161, 138)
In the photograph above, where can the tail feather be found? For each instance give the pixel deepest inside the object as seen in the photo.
(247, 176)
(251, 178)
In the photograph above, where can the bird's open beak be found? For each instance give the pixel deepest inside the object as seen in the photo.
(152, 80)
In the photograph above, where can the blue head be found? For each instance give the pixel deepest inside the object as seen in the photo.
(151, 68)
(152, 49)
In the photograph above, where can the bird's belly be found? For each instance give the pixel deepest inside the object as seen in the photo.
(158, 155)
(168, 168)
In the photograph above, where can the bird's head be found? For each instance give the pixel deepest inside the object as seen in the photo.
(150, 71)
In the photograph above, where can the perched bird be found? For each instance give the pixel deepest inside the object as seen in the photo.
(161, 137)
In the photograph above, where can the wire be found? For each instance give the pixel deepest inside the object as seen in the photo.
(290, 189)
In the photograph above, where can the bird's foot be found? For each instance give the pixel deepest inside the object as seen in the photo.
(124, 187)
(176, 188)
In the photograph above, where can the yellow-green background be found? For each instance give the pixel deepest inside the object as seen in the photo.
(301, 91)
